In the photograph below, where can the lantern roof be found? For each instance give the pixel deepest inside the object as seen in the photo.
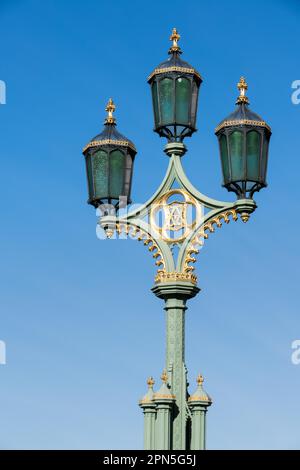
(242, 116)
(174, 63)
(110, 135)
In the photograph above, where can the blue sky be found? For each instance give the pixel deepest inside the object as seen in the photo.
(82, 329)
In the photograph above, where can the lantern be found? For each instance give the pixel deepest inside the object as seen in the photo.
(244, 143)
(175, 86)
(109, 163)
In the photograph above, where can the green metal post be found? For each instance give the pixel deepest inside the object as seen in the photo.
(175, 296)
(198, 404)
(198, 441)
(149, 410)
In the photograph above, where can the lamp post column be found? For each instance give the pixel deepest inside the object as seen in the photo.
(198, 404)
(149, 409)
(175, 295)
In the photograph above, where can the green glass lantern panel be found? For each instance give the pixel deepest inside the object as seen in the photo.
(89, 176)
(183, 100)
(155, 102)
(224, 158)
(195, 90)
(117, 167)
(253, 155)
(100, 174)
(265, 159)
(166, 100)
(236, 156)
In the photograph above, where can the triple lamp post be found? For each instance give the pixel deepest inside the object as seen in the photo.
(174, 223)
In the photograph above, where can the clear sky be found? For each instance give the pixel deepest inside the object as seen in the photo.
(82, 329)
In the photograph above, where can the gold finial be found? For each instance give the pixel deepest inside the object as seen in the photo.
(175, 36)
(200, 379)
(164, 376)
(150, 382)
(242, 86)
(110, 108)
(245, 217)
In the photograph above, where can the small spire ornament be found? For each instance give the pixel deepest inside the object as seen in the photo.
(164, 376)
(150, 382)
(200, 379)
(110, 109)
(243, 87)
(175, 36)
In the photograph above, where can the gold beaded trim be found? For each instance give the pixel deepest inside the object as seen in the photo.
(247, 122)
(161, 395)
(174, 68)
(174, 276)
(96, 143)
(199, 398)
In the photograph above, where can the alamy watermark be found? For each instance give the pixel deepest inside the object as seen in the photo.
(2, 92)
(295, 97)
(295, 357)
(2, 353)
(172, 218)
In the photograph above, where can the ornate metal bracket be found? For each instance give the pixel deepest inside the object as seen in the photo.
(176, 220)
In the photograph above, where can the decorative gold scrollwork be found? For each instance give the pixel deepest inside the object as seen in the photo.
(177, 223)
(202, 234)
(142, 235)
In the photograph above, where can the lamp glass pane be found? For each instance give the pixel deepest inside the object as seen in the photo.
(236, 155)
(89, 176)
(166, 99)
(224, 158)
(253, 155)
(265, 159)
(195, 89)
(155, 103)
(183, 100)
(100, 173)
(117, 167)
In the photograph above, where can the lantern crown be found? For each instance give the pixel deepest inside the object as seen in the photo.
(110, 135)
(174, 63)
(242, 115)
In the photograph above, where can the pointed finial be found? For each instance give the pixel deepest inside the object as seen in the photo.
(150, 382)
(164, 376)
(175, 36)
(110, 109)
(242, 86)
(200, 379)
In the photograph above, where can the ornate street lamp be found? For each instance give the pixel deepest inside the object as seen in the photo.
(244, 143)
(109, 163)
(175, 86)
(174, 224)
